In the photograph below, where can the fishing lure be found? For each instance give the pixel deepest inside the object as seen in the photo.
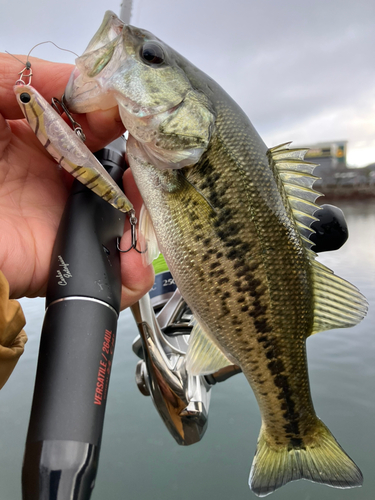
(64, 145)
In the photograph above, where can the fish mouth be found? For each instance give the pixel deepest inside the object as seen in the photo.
(83, 95)
(84, 91)
(103, 77)
(110, 29)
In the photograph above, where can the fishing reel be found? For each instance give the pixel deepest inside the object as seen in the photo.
(165, 323)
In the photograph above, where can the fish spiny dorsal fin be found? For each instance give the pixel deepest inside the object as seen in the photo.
(297, 179)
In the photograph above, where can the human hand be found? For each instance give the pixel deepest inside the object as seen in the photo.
(33, 190)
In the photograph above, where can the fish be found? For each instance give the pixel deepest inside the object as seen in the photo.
(67, 148)
(232, 219)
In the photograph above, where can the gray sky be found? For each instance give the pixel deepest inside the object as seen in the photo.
(303, 70)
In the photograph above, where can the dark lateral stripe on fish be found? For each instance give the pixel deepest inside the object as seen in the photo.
(287, 404)
(48, 142)
(246, 283)
(227, 230)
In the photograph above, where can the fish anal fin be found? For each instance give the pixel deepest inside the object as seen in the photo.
(320, 459)
(204, 356)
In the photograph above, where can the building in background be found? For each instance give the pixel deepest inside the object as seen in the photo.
(337, 179)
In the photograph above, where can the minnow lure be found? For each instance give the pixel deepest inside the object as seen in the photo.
(66, 147)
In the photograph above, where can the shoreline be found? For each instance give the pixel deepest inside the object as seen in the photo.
(350, 193)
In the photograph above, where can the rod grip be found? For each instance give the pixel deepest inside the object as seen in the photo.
(76, 348)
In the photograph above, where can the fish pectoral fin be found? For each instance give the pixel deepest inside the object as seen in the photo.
(337, 303)
(203, 355)
(147, 238)
(320, 460)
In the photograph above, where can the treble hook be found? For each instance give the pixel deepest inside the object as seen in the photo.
(21, 73)
(76, 126)
(133, 222)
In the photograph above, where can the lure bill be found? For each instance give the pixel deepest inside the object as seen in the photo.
(232, 219)
(67, 148)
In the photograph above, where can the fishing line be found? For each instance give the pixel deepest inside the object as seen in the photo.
(25, 64)
(53, 43)
(28, 64)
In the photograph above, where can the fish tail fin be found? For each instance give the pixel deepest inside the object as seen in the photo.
(322, 460)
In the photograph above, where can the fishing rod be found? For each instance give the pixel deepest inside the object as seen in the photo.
(77, 342)
(77, 345)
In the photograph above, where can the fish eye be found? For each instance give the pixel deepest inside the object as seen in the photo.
(152, 53)
(25, 97)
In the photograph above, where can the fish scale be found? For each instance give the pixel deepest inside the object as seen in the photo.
(260, 346)
(232, 221)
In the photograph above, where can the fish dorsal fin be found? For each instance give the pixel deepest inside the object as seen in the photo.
(337, 303)
(203, 355)
(147, 238)
(297, 179)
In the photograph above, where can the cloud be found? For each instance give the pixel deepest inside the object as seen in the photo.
(295, 67)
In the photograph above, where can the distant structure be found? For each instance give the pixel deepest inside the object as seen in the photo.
(331, 158)
(336, 178)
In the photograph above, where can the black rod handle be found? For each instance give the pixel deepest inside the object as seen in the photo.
(76, 348)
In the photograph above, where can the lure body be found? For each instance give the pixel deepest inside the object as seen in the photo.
(67, 148)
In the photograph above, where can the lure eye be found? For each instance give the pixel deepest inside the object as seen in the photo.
(25, 97)
(152, 53)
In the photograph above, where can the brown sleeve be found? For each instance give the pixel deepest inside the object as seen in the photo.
(12, 336)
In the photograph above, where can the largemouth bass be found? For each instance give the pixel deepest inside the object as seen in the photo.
(232, 219)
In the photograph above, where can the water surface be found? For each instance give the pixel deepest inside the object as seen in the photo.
(139, 460)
